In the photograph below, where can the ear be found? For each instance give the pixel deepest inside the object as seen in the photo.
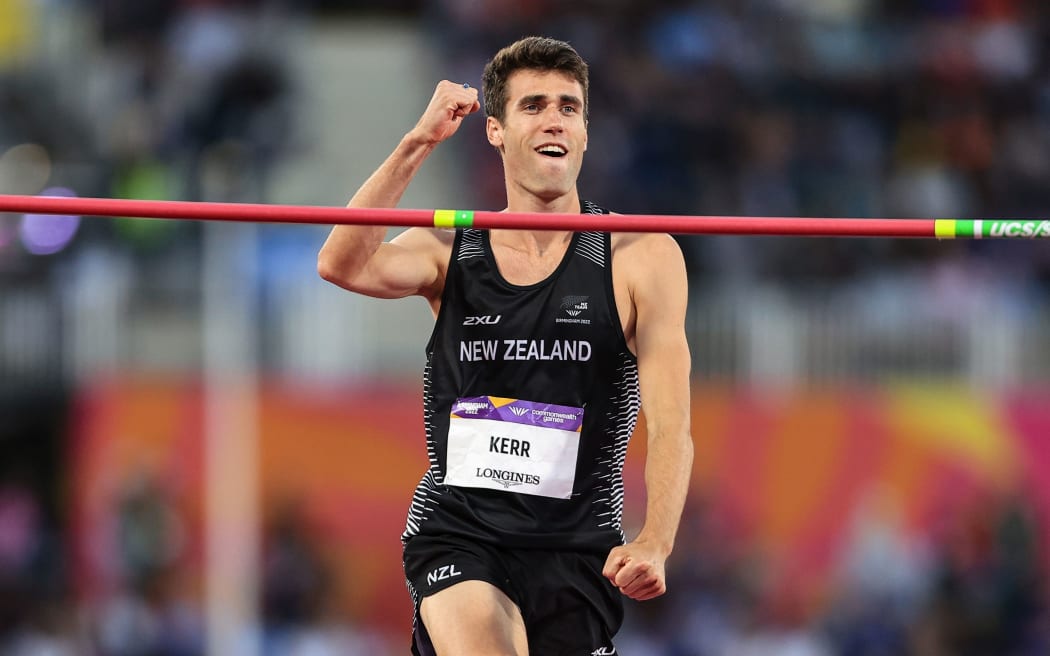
(494, 131)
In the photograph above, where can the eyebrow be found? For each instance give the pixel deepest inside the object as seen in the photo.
(565, 98)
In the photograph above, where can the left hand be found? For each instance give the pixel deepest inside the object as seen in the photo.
(637, 569)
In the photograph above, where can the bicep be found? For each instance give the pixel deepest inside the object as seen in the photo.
(660, 293)
(411, 264)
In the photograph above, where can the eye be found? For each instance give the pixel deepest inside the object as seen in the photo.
(568, 109)
(531, 107)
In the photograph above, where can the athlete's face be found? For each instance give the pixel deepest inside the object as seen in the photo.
(543, 134)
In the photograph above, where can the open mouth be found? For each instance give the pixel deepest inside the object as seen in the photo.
(552, 150)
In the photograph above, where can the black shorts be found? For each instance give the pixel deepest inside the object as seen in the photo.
(569, 608)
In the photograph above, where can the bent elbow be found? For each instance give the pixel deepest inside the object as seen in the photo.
(324, 269)
(327, 269)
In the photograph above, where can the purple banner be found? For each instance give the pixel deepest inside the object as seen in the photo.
(545, 415)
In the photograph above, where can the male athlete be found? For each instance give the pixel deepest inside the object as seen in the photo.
(545, 346)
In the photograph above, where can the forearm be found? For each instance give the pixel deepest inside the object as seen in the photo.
(386, 186)
(668, 469)
(348, 248)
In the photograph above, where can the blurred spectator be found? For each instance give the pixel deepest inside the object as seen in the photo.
(150, 533)
(34, 615)
(148, 613)
(20, 544)
(294, 579)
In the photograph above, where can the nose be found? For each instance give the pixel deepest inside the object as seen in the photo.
(554, 119)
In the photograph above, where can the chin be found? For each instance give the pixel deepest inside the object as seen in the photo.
(555, 186)
(550, 195)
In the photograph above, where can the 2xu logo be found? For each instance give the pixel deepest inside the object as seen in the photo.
(442, 573)
(487, 320)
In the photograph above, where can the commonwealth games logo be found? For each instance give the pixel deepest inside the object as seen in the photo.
(574, 309)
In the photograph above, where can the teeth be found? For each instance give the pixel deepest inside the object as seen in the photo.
(552, 150)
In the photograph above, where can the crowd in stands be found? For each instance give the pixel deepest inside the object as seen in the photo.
(852, 108)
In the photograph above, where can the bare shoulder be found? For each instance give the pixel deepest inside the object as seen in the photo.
(655, 252)
(650, 282)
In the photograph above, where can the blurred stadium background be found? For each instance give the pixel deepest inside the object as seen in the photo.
(206, 449)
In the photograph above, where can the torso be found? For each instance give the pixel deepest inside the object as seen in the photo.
(545, 328)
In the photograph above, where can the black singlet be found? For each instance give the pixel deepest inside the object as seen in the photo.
(537, 376)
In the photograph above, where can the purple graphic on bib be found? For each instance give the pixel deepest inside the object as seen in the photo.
(545, 415)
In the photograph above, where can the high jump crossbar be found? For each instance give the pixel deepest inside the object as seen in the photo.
(700, 225)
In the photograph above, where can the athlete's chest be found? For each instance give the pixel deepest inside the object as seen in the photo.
(575, 285)
(527, 269)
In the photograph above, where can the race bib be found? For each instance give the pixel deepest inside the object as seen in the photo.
(513, 445)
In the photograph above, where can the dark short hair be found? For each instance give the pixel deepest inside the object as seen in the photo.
(531, 53)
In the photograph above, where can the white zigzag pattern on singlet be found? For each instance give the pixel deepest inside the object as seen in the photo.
(626, 404)
(471, 245)
(424, 499)
(591, 246)
(590, 208)
(416, 600)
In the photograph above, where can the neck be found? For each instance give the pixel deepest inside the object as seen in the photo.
(537, 242)
(520, 200)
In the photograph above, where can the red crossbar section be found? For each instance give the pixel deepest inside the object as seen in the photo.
(259, 213)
